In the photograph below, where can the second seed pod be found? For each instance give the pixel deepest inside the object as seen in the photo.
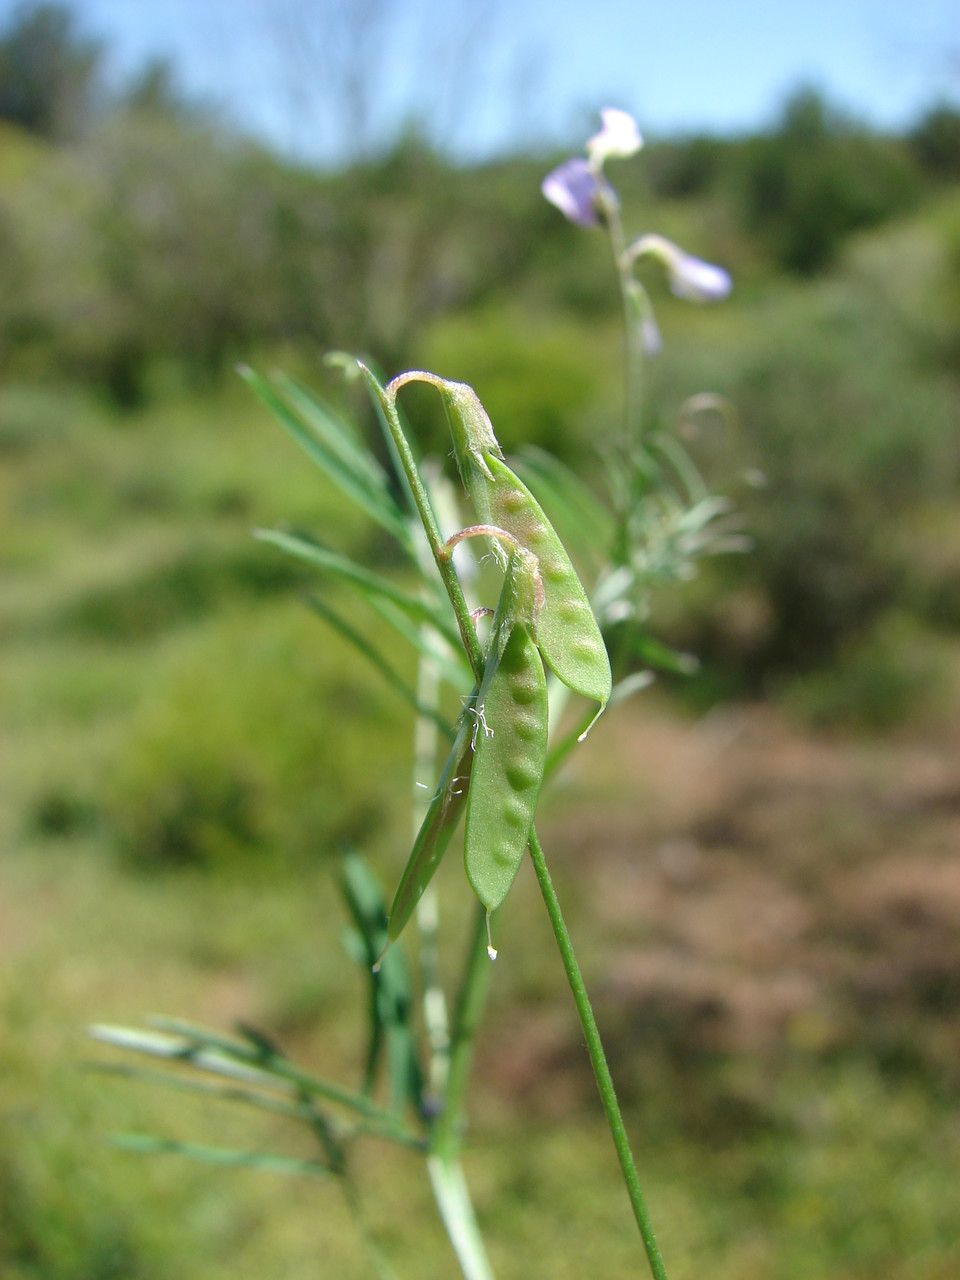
(509, 759)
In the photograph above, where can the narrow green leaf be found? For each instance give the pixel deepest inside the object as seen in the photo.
(370, 583)
(147, 1144)
(373, 497)
(656, 654)
(181, 1049)
(379, 662)
(262, 1044)
(437, 828)
(207, 1088)
(181, 1041)
(364, 902)
(452, 663)
(325, 438)
(391, 996)
(684, 468)
(337, 432)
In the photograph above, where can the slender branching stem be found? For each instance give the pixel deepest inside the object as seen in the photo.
(471, 998)
(598, 1059)
(453, 1200)
(632, 346)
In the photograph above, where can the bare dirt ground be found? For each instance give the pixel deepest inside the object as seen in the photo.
(760, 889)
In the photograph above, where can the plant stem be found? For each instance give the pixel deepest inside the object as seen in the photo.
(446, 1173)
(632, 349)
(598, 1060)
(453, 1200)
(471, 998)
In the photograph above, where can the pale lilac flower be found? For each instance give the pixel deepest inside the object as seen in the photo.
(690, 278)
(618, 138)
(698, 281)
(573, 188)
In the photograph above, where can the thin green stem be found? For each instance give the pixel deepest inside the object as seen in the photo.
(446, 1173)
(631, 345)
(471, 998)
(598, 1060)
(453, 1200)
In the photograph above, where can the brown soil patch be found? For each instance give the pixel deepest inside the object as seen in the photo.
(759, 890)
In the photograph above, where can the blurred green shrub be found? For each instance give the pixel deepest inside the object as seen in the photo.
(183, 590)
(680, 168)
(816, 178)
(260, 739)
(49, 71)
(876, 683)
(935, 141)
(541, 378)
(51, 1227)
(850, 431)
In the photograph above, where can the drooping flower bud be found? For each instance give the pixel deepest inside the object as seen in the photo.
(690, 278)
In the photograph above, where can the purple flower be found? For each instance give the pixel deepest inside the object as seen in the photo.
(573, 188)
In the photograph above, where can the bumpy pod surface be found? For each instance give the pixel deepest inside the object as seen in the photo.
(567, 632)
(509, 760)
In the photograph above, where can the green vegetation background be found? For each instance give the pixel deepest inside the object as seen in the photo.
(185, 749)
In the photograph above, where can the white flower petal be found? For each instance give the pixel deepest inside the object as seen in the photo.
(618, 138)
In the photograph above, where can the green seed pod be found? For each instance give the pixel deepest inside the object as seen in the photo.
(439, 824)
(519, 601)
(509, 760)
(567, 633)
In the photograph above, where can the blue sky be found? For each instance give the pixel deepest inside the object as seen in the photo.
(538, 71)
